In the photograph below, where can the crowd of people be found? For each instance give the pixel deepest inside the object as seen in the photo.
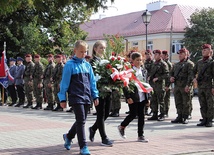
(75, 83)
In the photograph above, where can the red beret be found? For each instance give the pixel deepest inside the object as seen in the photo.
(183, 50)
(28, 55)
(50, 55)
(165, 52)
(88, 57)
(157, 51)
(206, 46)
(36, 56)
(148, 51)
(58, 56)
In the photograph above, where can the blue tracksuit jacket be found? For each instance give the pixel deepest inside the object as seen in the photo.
(79, 81)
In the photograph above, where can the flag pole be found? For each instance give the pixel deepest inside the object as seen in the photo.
(2, 98)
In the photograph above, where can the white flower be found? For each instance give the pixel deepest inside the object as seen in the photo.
(103, 62)
(119, 66)
(97, 77)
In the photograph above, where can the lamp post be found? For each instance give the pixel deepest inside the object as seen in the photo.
(146, 16)
(171, 31)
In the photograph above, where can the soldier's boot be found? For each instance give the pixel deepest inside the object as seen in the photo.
(178, 119)
(209, 123)
(203, 122)
(38, 106)
(112, 113)
(161, 117)
(49, 107)
(29, 105)
(58, 108)
(154, 117)
(185, 119)
(19, 104)
(116, 113)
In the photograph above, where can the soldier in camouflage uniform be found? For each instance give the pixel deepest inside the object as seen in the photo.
(165, 57)
(47, 80)
(157, 79)
(148, 65)
(205, 79)
(37, 82)
(28, 79)
(116, 103)
(56, 78)
(182, 76)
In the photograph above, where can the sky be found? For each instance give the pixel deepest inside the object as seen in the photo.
(126, 6)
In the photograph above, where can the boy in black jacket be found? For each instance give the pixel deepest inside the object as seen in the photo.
(136, 100)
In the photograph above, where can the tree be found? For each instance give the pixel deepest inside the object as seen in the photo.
(200, 32)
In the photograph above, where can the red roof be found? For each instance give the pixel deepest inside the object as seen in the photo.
(131, 24)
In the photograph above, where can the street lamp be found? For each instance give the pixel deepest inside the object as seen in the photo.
(146, 16)
(171, 31)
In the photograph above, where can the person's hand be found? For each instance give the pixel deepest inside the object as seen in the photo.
(172, 79)
(40, 85)
(213, 91)
(194, 80)
(63, 104)
(96, 102)
(187, 89)
(155, 79)
(130, 101)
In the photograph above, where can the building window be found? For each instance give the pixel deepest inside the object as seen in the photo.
(150, 45)
(134, 44)
(176, 45)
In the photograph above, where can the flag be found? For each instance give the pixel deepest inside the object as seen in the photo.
(4, 72)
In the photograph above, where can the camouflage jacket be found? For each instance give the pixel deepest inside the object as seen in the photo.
(205, 72)
(57, 72)
(48, 73)
(183, 73)
(148, 65)
(38, 71)
(159, 70)
(29, 68)
(170, 68)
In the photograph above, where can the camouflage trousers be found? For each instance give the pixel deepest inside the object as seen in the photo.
(206, 100)
(167, 101)
(116, 103)
(56, 90)
(28, 86)
(158, 100)
(182, 101)
(37, 91)
(48, 91)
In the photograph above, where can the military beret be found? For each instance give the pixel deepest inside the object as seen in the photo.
(50, 55)
(12, 59)
(88, 57)
(28, 55)
(157, 51)
(206, 46)
(165, 52)
(58, 56)
(183, 50)
(36, 56)
(19, 59)
(148, 52)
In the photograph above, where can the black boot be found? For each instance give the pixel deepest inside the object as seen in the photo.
(37, 107)
(185, 119)
(154, 117)
(203, 122)
(49, 107)
(161, 117)
(19, 104)
(116, 113)
(58, 108)
(112, 113)
(178, 119)
(209, 123)
(29, 105)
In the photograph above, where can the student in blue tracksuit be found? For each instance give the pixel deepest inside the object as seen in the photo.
(79, 81)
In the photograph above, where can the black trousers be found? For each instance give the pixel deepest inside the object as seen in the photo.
(80, 111)
(136, 109)
(12, 92)
(21, 93)
(103, 110)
